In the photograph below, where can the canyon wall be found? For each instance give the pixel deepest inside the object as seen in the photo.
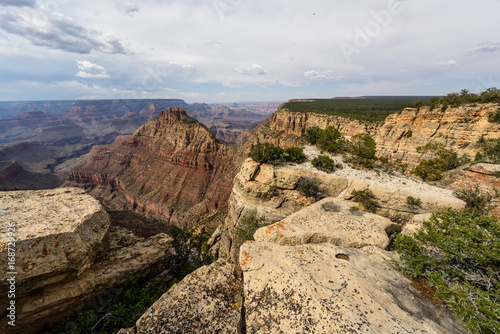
(172, 168)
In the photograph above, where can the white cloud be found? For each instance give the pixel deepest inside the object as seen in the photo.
(127, 8)
(91, 70)
(253, 69)
(315, 75)
(231, 85)
(449, 62)
(485, 47)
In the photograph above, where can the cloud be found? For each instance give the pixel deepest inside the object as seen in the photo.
(18, 3)
(449, 62)
(91, 70)
(55, 31)
(127, 8)
(231, 85)
(254, 69)
(485, 47)
(321, 76)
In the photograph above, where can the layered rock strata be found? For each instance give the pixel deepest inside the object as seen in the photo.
(171, 168)
(271, 192)
(66, 254)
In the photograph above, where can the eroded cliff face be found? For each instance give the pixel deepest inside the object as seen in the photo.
(458, 128)
(66, 254)
(172, 168)
(398, 136)
(285, 128)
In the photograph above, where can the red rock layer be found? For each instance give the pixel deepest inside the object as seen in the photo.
(171, 168)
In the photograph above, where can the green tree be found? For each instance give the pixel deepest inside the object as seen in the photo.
(267, 153)
(324, 163)
(363, 147)
(459, 252)
(295, 154)
(331, 140)
(312, 134)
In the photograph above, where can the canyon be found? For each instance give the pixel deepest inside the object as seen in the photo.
(318, 264)
(53, 137)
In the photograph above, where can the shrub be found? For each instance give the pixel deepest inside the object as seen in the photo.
(494, 117)
(363, 147)
(307, 187)
(247, 226)
(324, 163)
(295, 154)
(366, 198)
(312, 134)
(458, 251)
(267, 153)
(474, 199)
(414, 202)
(331, 140)
(430, 170)
(441, 161)
(490, 151)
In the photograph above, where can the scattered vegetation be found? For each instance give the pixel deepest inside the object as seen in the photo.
(474, 198)
(295, 154)
(120, 307)
(116, 308)
(414, 202)
(441, 160)
(459, 253)
(247, 226)
(364, 108)
(331, 140)
(363, 148)
(494, 117)
(308, 188)
(268, 153)
(489, 151)
(366, 198)
(324, 163)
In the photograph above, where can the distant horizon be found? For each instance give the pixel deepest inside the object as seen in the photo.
(217, 103)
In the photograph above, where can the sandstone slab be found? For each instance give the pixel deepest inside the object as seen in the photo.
(323, 288)
(209, 300)
(332, 221)
(57, 231)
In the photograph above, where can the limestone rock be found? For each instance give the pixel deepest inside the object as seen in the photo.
(329, 221)
(209, 300)
(415, 224)
(67, 254)
(323, 288)
(488, 169)
(58, 232)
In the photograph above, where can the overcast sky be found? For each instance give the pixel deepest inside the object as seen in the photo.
(246, 50)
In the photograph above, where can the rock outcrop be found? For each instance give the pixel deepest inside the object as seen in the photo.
(207, 301)
(66, 254)
(171, 168)
(323, 288)
(271, 192)
(457, 128)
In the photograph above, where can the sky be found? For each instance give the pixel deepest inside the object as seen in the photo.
(218, 51)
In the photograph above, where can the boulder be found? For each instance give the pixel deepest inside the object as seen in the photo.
(58, 233)
(332, 221)
(209, 300)
(323, 288)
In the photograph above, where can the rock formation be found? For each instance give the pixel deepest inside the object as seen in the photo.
(66, 254)
(171, 168)
(321, 269)
(457, 128)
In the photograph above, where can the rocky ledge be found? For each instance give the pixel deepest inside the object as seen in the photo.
(66, 253)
